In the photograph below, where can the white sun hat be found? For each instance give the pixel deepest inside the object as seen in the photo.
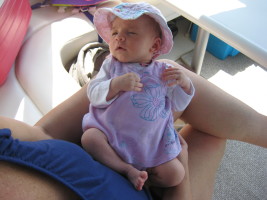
(130, 11)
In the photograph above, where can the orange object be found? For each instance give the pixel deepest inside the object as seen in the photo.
(14, 20)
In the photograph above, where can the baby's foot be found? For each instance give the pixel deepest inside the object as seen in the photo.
(138, 178)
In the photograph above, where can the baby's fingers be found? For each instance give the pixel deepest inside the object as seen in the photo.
(138, 87)
(171, 83)
(171, 74)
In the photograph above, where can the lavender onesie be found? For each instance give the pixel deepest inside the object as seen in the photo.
(138, 125)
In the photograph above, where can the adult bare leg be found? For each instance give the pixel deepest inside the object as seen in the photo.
(217, 113)
(65, 120)
(17, 182)
(22, 130)
(214, 116)
(204, 156)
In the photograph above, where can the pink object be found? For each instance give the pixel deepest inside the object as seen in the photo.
(14, 19)
(130, 11)
(76, 2)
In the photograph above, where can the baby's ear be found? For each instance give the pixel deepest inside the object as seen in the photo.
(156, 46)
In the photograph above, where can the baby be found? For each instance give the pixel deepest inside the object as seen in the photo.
(130, 124)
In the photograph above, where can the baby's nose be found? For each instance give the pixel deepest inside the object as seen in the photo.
(120, 37)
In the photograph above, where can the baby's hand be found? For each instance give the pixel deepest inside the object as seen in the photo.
(175, 76)
(126, 82)
(129, 82)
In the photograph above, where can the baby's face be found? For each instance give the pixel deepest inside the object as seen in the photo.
(134, 40)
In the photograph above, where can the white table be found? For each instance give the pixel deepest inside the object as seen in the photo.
(239, 23)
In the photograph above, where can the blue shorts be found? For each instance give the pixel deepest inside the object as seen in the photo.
(71, 165)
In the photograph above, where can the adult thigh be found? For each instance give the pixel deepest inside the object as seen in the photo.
(17, 182)
(204, 156)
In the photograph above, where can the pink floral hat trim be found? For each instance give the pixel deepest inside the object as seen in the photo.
(76, 2)
(130, 11)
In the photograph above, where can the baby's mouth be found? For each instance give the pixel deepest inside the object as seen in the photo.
(120, 48)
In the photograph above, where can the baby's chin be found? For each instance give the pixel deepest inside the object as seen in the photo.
(127, 60)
